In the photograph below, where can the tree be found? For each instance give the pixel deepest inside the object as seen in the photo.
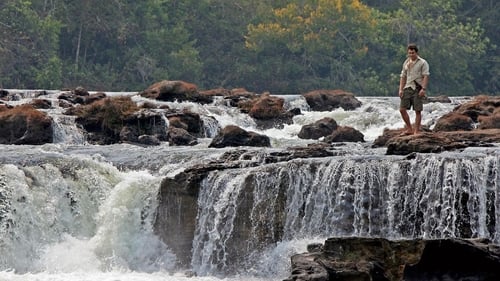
(315, 43)
(28, 47)
(450, 45)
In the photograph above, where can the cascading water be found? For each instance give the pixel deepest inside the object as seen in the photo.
(243, 212)
(74, 211)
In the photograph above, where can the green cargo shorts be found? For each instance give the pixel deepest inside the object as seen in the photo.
(411, 99)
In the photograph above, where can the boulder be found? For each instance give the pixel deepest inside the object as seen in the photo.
(119, 119)
(189, 121)
(327, 100)
(356, 258)
(318, 129)
(345, 134)
(179, 136)
(267, 111)
(235, 136)
(175, 91)
(479, 106)
(25, 125)
(454, 121)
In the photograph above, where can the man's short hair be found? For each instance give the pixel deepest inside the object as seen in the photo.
(412, 46)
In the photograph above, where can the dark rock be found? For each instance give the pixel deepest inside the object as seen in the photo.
(25, 125)
(479, 106)
(345, 134)
(353, 259)
(179, 136)
(41, 104)
(175, 91)
(189, 121)
(327, 100)
(441, 99)
(454, 121)
(236, 136)
(318, 129)
(148, 140)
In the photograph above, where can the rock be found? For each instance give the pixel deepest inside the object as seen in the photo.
(318, 129)
(355, 258)
(441, 141)
(441, 99)
(490, 122)
(180, 136)
(175, 91)
(41, 104)
(25, 125)
(345, 134)
(454, 121)
(118, 119)
(479, 106)
(235, 136)
(189, 121)
(148, 140)
(327, 100)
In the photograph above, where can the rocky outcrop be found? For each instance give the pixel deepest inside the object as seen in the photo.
(474, 123)
(235, 136)
(175, 91)
(327, 100)
(80, 95)
(353, 259)
(25, 125)
(178, 198)
(114, 120)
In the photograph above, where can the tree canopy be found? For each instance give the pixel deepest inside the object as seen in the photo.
(278, 46)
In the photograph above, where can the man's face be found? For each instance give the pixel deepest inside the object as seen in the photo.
(412, 54)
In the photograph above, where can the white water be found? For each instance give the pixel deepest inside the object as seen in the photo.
(73, 211)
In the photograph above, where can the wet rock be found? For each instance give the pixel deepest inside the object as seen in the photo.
(318, 129)
(327, 100)
(167, 90)
(356, 258)
(440, 99)
(235, 136)
(441, 141)
(345, 134)
(454, 121)
(25, 125)
(179, 136)
(189, 121)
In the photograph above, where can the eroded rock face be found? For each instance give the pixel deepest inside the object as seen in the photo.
(355, 258)
(25, 125)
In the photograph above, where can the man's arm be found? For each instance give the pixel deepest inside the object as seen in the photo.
(402, 83)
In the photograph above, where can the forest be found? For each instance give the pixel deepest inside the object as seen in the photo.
(284, 47)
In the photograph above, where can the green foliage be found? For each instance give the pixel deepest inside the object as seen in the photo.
(263, 45)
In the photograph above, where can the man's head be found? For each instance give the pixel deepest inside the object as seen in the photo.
(412, 51)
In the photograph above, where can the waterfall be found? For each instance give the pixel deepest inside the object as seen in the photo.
(241, 212)
(76, 213)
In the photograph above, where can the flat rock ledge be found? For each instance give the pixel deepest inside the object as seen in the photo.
(368, 259)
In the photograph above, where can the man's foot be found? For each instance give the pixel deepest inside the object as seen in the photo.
(406, 133)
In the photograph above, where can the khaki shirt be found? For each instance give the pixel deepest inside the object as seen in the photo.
(414, 72)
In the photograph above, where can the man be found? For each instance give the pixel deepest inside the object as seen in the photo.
(412, 88)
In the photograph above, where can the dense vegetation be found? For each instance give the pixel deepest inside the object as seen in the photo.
(262, 45)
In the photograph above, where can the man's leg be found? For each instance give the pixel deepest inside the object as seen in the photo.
(418, 120)
(406, 119)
